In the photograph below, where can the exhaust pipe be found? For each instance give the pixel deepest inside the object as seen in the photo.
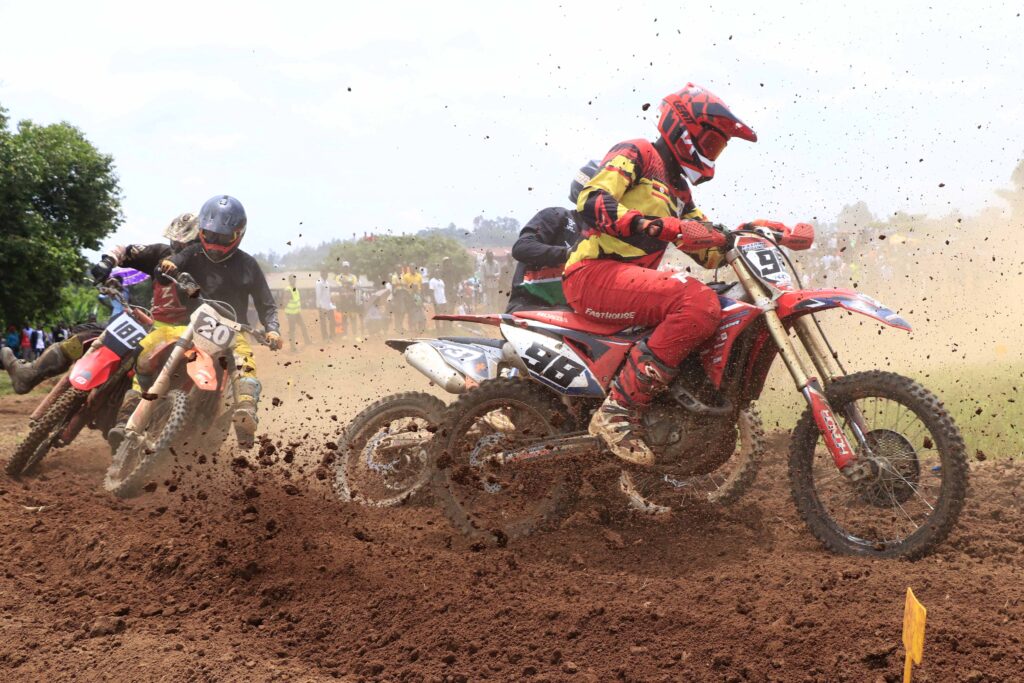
(427, 360)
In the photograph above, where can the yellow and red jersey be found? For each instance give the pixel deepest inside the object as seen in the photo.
(633, 183)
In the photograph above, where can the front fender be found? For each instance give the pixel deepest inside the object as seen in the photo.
(201, 369)
(800, 302)
(94, 368)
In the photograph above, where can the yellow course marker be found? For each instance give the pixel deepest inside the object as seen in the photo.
(914, 615)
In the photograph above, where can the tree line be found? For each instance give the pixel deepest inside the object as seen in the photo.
(60, 196)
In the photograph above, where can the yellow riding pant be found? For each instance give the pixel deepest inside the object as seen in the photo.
(165, 333)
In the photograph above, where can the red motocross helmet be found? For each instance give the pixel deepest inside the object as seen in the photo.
(697, 126)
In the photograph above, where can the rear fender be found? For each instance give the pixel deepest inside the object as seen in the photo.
(494, 319)
(801, 302)
(472, 362)
(201, 369)
(475, 361)
(94, 368)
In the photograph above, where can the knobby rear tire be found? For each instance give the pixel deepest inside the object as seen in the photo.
(740, 481)
(445, 456)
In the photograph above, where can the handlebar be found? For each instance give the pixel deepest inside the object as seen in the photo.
(223, 308)
(259, 335)
(797, 237)
(110, 289)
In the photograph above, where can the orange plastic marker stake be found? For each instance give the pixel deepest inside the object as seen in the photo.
(914, 615)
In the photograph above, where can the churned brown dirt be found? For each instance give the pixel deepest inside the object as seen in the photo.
(247, 568)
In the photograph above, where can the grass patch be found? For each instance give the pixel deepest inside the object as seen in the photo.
(5, 385)
(7, 390)
(985, 400)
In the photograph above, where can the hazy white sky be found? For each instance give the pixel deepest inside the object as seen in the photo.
(331, 119)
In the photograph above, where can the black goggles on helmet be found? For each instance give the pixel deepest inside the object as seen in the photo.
(221, 239)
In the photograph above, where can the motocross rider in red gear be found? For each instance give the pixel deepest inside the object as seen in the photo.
(637, 204)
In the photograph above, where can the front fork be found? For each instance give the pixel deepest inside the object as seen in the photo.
(139, 419)
(839, 447)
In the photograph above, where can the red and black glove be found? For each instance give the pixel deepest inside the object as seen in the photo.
(687, 235)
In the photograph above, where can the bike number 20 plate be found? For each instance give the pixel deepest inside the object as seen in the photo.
(210, 328)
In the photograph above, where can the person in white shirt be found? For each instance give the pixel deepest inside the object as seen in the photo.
(40, 342)
(436, 286)
(325, 307)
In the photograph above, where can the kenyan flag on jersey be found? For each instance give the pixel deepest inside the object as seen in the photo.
(545, 284)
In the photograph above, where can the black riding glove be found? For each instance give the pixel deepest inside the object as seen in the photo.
(101, 271)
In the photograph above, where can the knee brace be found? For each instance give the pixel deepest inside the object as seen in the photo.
(248, 387)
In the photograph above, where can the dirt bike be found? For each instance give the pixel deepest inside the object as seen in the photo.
(181, 411)
(877, 466)
(89, 394)
(384, 456)
(385, 459)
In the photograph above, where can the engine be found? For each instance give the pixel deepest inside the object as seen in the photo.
(690, 443)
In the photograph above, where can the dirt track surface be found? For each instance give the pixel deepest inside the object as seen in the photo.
(251, 570)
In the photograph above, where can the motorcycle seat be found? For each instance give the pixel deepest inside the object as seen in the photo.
(478, 341)
(575, 321)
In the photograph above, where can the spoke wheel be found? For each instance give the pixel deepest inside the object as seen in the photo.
(31, 451)
(139, 455)
(484, 497)
(385, 459)
(915, 491)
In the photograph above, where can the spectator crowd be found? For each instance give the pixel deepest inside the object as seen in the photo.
(28, 342)
(348, 304)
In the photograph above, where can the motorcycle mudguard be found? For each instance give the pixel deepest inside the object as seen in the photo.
(486, 319)
(201, 370)
(812, 300)
(475, 361)
(94, 368)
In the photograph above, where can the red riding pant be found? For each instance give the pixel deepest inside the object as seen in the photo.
(683, 311)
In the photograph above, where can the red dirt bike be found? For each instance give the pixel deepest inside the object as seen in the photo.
(877, 466)
(385, 456)
(90, 394)
(186, 409)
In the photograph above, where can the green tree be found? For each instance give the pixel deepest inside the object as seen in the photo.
(494, 232)
(58, 196)
(380, 256)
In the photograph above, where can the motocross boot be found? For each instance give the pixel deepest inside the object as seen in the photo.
(617, 421)
(128, 405)
(24, 376)
(247, 395)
